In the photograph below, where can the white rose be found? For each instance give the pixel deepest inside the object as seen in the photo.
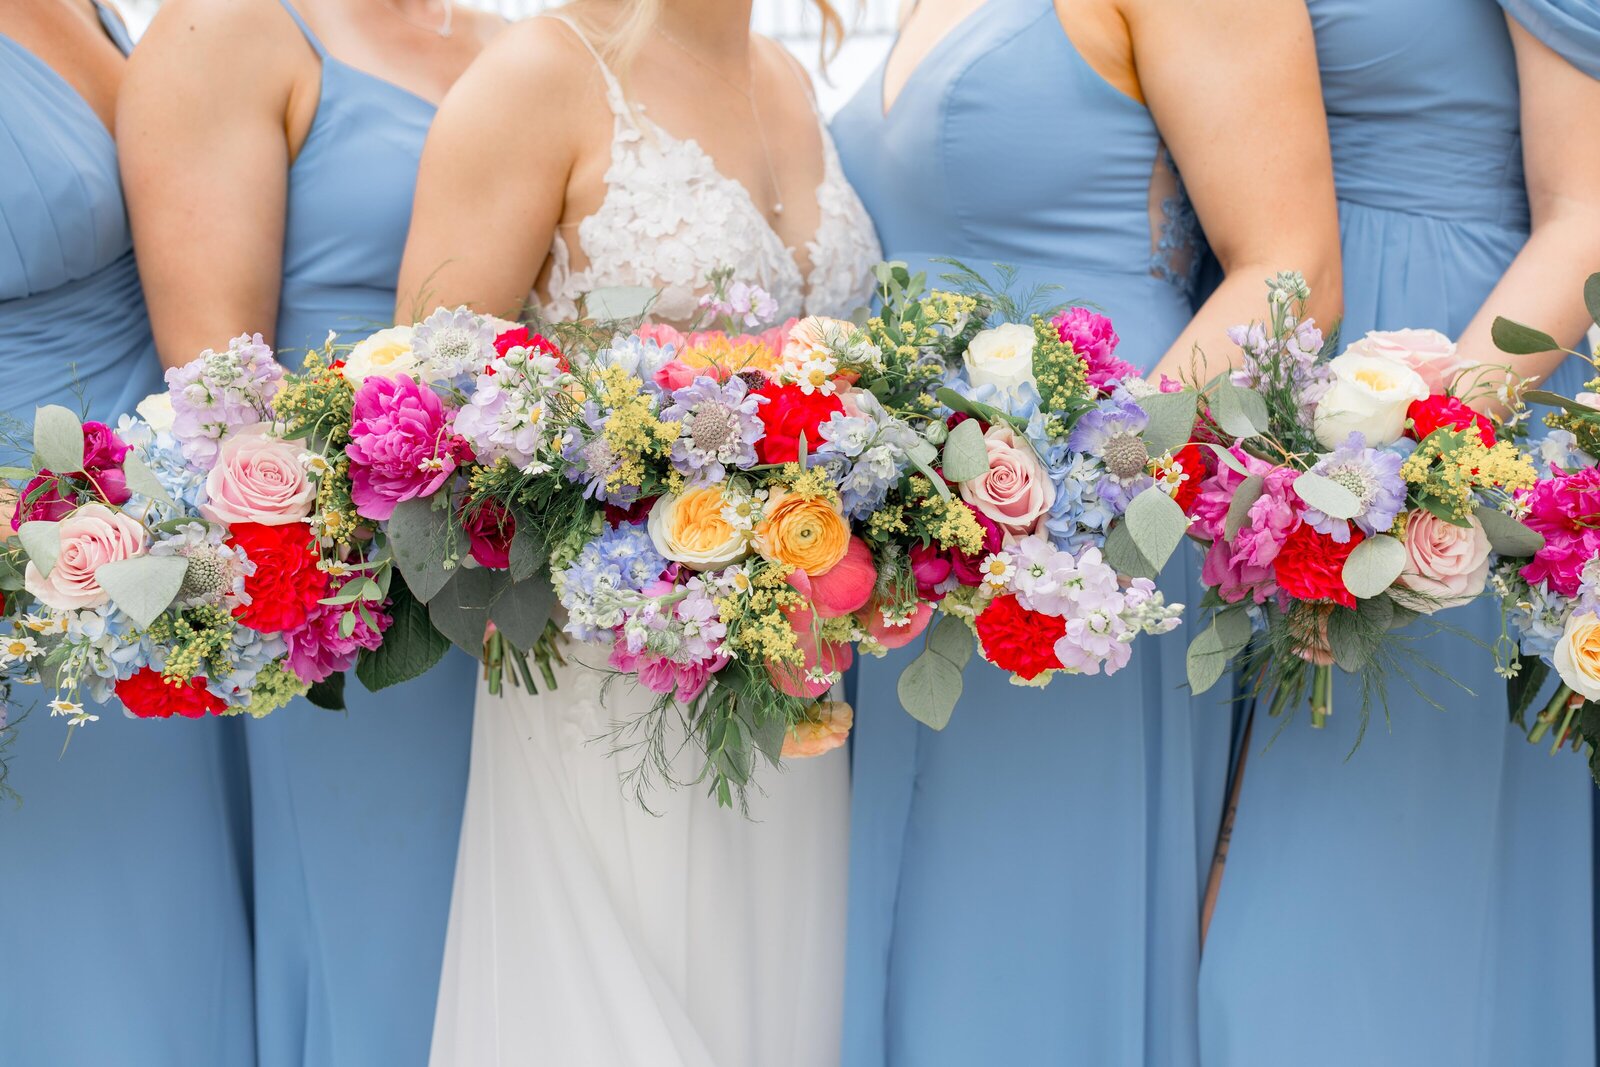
(1428, 352)
(1577, 654)
(1370, 394)
(386, 353)
(1001, 357)
(156, 409)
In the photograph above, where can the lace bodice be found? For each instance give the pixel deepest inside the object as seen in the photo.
(669, 218)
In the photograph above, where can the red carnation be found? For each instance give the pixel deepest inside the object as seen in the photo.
(1310, 566)
(1434, 412)
(150, 696)
(522, 337)
(1189, 461)
(788, 413)
(1017, 640)
(287, 583)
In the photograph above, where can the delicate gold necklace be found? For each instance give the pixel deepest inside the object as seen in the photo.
(446, 27)
(749, 94)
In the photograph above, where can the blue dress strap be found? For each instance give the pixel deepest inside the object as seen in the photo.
(1569, 27)
(115, 28)
(305, 28)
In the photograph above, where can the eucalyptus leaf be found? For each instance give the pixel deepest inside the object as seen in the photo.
(983, 412)
(1556, 400)
(1351, 645)
(1157, 525)
(58, 439)
(929, 689)
(1123, 554)
(619, 303)
(1520, 340)
(521, 610)
(1240, 412)
(143, 587)
(922, 452)
(1233, 626)
(1508, 536)
(928, 472)
(42, 542)
(966, 457)
(1171, 420)
(1327, 496)
(527, 550)
(1373, 565)
(1591, 297)
(1244, 499)
(460, 609)
(143, 481)
(1206, 661)
(952, 639)
(1226, 457)
(411, 644)
(421, 537)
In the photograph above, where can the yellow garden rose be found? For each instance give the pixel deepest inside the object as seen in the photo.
(1577, 655)
(386, 354)
(689, 529)
(804, 532)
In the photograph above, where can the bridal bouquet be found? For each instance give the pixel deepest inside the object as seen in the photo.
(1549, 587)
(1350, 496)
(188, 561)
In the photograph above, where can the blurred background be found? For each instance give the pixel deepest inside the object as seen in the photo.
(794, 22)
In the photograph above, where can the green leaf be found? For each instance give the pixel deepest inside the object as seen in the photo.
(952, 639)
(1520, 340)
(328, 694)
(923, 452)
(142, 480)
(1351, 645)
(460, 610)
(983, 412)
(411, 644)
(1211, 652)
(521, 610)
(42, 542)
(17, 474)
(1155, 526)
(1556, 400)
(527, 550)
(929, 688)
(1523, 687)
(1240, 412)
(1508, 536)
(966, 457)
(1327, 496)
(1373, 565)
(1244, 499)
(619, 303)
(1226, 457)
(1591, 297)
(58, 439)
(928, 472)
(422, 536)
(1171, 420)
(143, 587)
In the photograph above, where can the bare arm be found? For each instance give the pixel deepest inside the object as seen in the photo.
(1234, 89)
(495, 172)
(1561, 157)
(201, 125)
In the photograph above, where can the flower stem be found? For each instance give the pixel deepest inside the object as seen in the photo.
(1547, 717)
(494, 662)
(1573, 704)
(1321, 695)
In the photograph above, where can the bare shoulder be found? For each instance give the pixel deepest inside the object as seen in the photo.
(537, 68)
(257, 35)
(780, 60)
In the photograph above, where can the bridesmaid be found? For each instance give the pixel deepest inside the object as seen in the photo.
(1027, 883)
(1428, 900)
(279, 202)
(124, 935)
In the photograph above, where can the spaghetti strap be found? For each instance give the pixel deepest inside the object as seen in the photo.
(111, 22)
(614, 97)
(305, 28)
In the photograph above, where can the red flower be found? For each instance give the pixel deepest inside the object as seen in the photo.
(1191, 461)
(490, 528)
(632, 515)
(1310, 566)
(522, 337)
(1018, 640)
(150, 696)
(287, 583)
(1437, 411)
(787, 414)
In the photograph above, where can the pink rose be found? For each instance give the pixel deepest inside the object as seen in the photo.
(1447, 564)
(1015, 492)
(91, 537)
(258, 478)
(403, 445)
(1428, 352)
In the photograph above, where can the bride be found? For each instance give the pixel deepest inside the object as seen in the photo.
(635, 143)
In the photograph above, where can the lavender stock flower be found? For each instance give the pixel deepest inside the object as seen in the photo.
(220, 391)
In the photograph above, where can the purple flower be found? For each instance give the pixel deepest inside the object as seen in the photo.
(591, 460)
(219, 392)
(402, 445)
(1110, 431)
(718, 427)
(1373, 475)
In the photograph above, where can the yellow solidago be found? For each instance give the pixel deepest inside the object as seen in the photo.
(812, 483)
(951, 309)
(953, 524)
(886, 522)
(1451, 467)
(632, 429)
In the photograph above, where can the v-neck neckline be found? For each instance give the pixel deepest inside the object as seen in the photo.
(886, 106)
(61, 79)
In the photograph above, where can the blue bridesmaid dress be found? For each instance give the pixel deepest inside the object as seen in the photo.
(1026, 884)
(1427, 900)
(124, 925)
(356, 814)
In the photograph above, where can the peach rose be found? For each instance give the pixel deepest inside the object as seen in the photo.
(826, 727)
(1577, 655)
(1015, 493)
(689, 529)
(258, 478)
(1447, 565)
(1428, 352)
(803, 532)
(91, 537)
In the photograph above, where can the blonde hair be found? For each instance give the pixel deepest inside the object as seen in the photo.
(621, 41)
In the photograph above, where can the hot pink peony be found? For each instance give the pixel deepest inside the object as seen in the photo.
(659, 674)
(103, 455)
(317, 650)
(402, 445)
(1565, 508)
(1092, 337)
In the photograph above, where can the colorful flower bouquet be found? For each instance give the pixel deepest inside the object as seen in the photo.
(1549, 587)
(1349, 496)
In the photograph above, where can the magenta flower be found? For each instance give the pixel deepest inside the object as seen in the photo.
(318, 651)
(490, 528)
(402, 445)
(103, 453)
(1564, 508)
(1092, 337)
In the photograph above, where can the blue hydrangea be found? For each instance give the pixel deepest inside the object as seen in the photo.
(593, 587)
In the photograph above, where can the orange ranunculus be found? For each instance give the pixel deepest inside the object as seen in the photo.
(825, 728)
(803, 532)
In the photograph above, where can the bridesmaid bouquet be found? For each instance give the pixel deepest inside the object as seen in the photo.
(1549, 587)
(1350, 496)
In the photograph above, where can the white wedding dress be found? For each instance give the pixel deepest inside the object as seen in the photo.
(584, 931)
